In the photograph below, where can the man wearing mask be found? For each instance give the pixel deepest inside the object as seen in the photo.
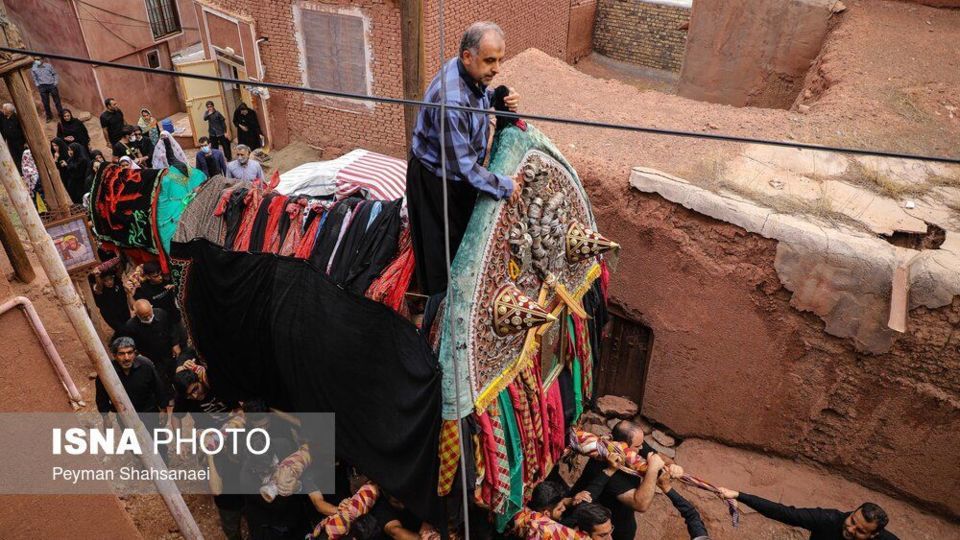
(210, 160)
(47, 81)
(244, 168)
(217, 129)
(158, 337)
(112, 122)
(126, 147)
(465, 81)
(12, 132)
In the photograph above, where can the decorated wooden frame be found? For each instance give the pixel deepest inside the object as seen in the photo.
(543, 247)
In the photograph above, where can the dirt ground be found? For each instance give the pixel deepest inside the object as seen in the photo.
(888, 79)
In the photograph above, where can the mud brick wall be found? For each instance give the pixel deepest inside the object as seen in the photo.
(645, 32)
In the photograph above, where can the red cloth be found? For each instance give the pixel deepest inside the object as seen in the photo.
(252, 201)
(533, 387)
(495, 489)
(390, 288)
(557, 434)
(305, 248)
(521, 409)
(288, 245)
(271, 238)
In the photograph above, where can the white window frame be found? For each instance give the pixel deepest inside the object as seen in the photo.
(337, 103)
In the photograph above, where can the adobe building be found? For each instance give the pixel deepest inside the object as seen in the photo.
(147, 33)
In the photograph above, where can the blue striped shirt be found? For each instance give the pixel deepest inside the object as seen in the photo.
(44, 74)
(465, 136)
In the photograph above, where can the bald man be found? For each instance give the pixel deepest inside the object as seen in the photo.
(158, 338)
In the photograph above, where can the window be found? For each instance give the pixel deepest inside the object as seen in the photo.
(333, 46)
(153, 59)
(164, 19)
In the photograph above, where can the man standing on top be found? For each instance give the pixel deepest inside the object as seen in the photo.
(465, 81)
(866, 522)
(47, 80)
(112, 122)
(244, 168)
(12, 132)
(217, 129)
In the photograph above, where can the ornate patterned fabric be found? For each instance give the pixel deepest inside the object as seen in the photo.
(536, 526)
(449, 455)
(121, 206)
(338, 525)
(523, 245)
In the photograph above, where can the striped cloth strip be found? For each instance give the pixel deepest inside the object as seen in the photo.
(382, 177)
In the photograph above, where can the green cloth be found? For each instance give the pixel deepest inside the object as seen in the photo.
(510, 145)
(176, 192)
(511, 434)
(576, 374)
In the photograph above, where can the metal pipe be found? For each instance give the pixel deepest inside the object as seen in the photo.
(23, 302)
(73, 307)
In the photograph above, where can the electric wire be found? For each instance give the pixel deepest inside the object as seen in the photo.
(507, 114)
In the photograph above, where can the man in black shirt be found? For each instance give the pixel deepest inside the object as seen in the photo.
(396, 521)
(594, 520)
(125, 147)
(12, 132)
(159, 291)
(695, 527)
(138, 377)
(866, 522)
(112, 122)
(157, 336)
(623, 493)
(194, 397)
(110, 298)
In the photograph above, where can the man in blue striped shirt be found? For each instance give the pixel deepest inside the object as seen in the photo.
(464, 83)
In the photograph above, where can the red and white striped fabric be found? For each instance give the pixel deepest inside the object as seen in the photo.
(383, 177)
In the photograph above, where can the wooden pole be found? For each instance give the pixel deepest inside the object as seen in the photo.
(14, 72)
(411, 50)
(72, 305)
(14, 248)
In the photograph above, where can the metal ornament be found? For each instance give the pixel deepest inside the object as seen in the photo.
(515, 312)
(583, 243)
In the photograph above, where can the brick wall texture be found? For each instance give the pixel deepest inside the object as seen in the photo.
(338, 126)
(643, 33)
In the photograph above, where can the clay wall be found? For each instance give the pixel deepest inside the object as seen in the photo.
(733, 361)
(644, 32)
(29, 384)
(106, 30)
(77, 84)
(752, 52)
(540, 24)
(583, 14)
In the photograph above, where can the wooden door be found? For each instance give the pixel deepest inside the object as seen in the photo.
(625, 358)
(198, 92)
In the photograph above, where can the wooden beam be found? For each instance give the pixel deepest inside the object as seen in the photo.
(14, 248)
(411, 50)
(14, 70)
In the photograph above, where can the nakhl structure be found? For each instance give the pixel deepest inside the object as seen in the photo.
(298, 299)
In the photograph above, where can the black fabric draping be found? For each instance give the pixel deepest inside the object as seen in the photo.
(366, 251)
(425, 206)
(597, 309)
(260, 222)
(278, 328)
(121, 206)
(330, 231)
(234, 215)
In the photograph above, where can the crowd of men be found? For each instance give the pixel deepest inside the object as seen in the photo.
(146, 142)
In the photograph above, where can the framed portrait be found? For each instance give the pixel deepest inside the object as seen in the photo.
(74, 242)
